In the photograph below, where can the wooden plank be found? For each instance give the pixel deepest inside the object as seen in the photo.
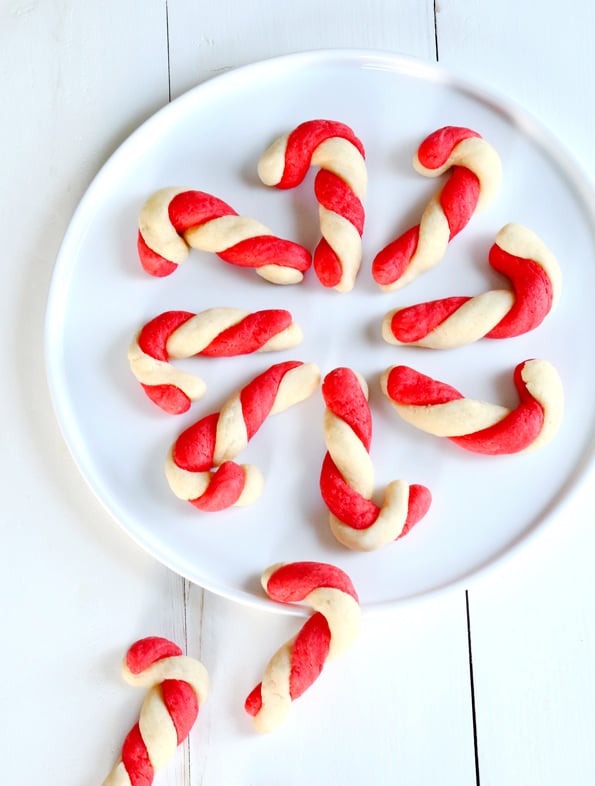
(206, 39)
(74, 82)
(533, 647)
(403, 687)
(532, 639)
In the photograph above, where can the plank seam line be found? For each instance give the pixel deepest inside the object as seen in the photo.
(187, 770)
(472, 685)
(436, 30)
(168, 52)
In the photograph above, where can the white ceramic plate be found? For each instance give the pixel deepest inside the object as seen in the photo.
(210, 139)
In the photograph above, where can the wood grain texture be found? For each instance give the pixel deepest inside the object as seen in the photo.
(532, 635)
(208, 38)
(534, 648)
(74, 80)
(395, 707)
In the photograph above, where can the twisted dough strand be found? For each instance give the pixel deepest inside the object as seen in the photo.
(325, 636)
(178, 687)
(216, 332)
(215, 440)
(479, 426)
(451, 322)
(347, 475)
(172, 220)
(474, 179)
(340, 188)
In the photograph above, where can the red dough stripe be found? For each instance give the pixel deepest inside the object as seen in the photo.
(168, 397)
(420, 499)
(343, 501)
(182, 705)
(193, 208)
(293, 582)
(437, 147)
(258, 396)
(250, 334)
(459, 198)
(407, 386)
(533, 291)
(262, 250)
(412, 323)
(391, 262)
(302, 142)
(154, 335)
(194, 448)
(152, 262)
(510, 435)
(514, 432)
(327, 265)
(145, 652)
(309, 652)
(253, 703)
(356, 511)
(334, 194)
(224, 490)
(344, 396)
(135, 759)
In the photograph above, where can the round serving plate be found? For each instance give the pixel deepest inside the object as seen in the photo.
(210, 139)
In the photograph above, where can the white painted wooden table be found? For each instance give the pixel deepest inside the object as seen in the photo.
(492, 685)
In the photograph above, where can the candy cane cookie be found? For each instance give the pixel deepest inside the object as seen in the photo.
(451, 322)
(478, 426)
(347, 475)
(327, 634)
(215, 440)
(340, 189)
(216, 332)
(173, 220)
(178, 687)
(475, 178)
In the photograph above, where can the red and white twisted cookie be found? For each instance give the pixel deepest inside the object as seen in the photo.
(347, 475)
(325, 636)
(218, 438)
(172, 220)
(216, 332)
(474, 179)
(478, 426)
(178, 687)
(340, 188)
(451, 322)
